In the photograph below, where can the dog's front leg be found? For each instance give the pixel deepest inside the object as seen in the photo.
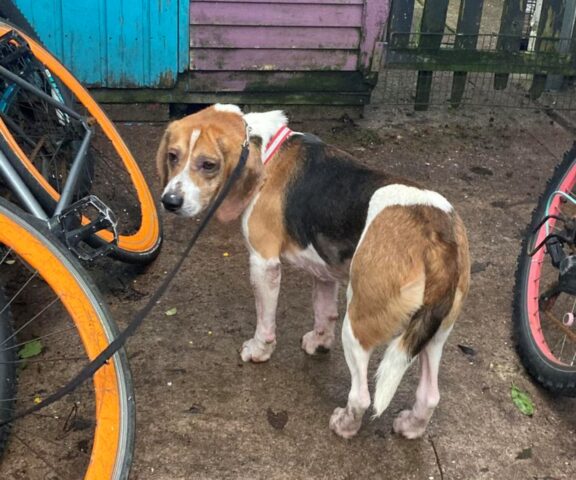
(265, 275)
(325, 300)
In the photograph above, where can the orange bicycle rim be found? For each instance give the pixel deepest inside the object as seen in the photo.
(147, 235)
(62, 281)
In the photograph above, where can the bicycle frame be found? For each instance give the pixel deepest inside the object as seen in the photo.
(21, 190)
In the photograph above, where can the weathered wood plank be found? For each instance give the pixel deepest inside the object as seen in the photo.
(481, 61)
(375, 18)
(300, 15)
(278, 82)
(549, 27)
(431, 29)
(573, 44)
(511, 24)
(316, 2)
(401, 15)
(270, 59)
(219, 36)
(145, 95)
(469, 17)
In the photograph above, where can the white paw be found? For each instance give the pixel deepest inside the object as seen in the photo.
(313, 343)
(257, 351)
(344, 423)
(408, 425)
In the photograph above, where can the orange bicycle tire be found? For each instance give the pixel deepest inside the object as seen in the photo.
(114, 430)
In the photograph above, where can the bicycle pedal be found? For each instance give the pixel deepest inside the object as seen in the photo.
(79, 222)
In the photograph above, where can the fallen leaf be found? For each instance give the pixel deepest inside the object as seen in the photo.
(524, 454)
(37, 400)
(277, 420)
(478, 267)
(522, 401)
(196, 408)
(171, 312)
(468, 351)
(225, 254)
(479, 170)
(31, 349)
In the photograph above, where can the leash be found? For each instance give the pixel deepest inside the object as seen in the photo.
(91, 368)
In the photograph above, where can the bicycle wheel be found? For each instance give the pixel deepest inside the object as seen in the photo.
(7, 369)
(60, 323)
(544, 326)
(44, 140)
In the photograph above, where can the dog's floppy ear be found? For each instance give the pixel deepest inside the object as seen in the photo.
(161, 165)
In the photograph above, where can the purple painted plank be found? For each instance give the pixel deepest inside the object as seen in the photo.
(267, 82)
(375, 19)
(274, 37)
(265, 59)
(315, 2)
(302, 15)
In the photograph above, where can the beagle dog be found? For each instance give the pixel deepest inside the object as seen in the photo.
(402, 248)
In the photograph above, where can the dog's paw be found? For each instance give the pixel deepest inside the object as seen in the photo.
(254, 350)
(344, 424)
(408, 425)
(313, 343)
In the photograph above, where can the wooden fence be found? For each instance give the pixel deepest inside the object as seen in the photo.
(536, 38)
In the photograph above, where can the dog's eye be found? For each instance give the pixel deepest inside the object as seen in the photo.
(208, 166)
(172, 158)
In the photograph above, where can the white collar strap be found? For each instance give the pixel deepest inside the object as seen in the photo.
(275, 143)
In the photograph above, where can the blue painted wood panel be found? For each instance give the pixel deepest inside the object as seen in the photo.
(115, 43)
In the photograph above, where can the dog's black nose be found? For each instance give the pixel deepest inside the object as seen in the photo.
(172, 201)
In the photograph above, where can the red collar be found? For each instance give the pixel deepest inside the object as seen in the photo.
(275, 143)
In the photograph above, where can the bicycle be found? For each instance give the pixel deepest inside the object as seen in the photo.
(545, 288)
(57, 152)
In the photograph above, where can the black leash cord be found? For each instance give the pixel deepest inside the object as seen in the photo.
(89, 370)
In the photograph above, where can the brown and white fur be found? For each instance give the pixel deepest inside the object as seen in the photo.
(402, 248)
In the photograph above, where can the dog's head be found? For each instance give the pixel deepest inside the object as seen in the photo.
(196, 156)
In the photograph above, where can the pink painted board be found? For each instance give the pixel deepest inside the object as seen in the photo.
(219, 36)
(300, 15)
(272, 60)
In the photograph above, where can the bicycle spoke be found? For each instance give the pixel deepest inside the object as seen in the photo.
(16, 332)
(18, 293)
(40, 457)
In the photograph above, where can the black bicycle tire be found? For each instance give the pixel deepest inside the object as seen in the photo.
(554, 377)
(39, 229)
(8, 377)
(47, 202)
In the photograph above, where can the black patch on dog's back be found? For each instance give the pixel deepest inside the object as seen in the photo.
(326, 203)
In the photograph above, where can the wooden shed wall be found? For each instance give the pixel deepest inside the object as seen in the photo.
(293, 51)
(275, 35)
(243, 51)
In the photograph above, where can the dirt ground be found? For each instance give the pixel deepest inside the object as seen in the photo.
(203, 414)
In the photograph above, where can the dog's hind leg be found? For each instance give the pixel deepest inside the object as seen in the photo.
(412, 423)
(325, 300)
(347, 421)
